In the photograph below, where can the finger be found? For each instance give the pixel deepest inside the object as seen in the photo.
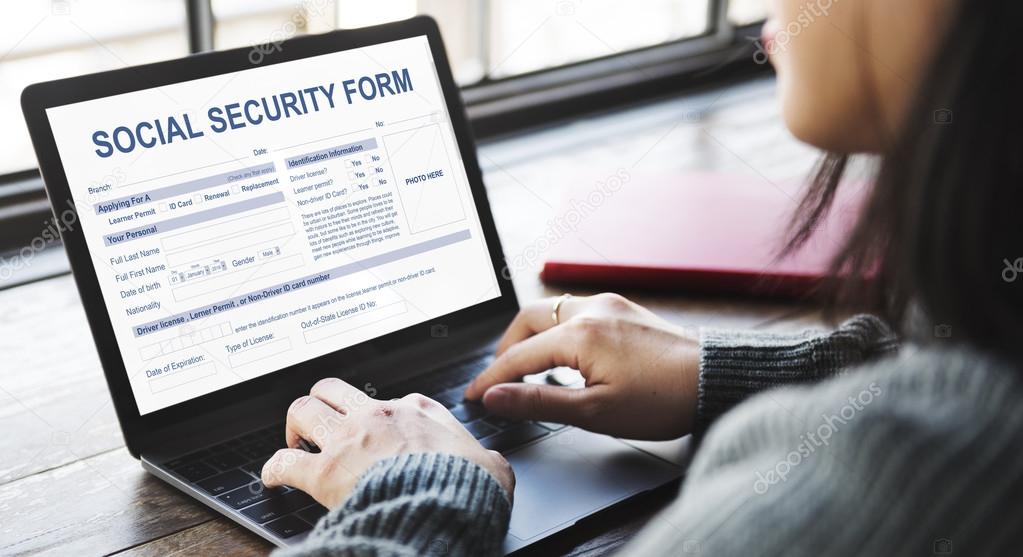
(338, 394)
(435, 410)
(550, 348)
(311, 419)
(535, 318)
(291, 467)
(543, 402)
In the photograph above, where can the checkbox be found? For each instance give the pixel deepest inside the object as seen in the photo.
(197, 199)
(352, 176)
(235, 189)
(348, 163)
(162, 207)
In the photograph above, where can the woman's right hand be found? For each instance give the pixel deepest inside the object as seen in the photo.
(641, 371)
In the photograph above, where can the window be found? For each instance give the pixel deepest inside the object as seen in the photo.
(488, 41)
(247, 22)
(521, 62)
(50, 39)
(744, 12)
(536, 34)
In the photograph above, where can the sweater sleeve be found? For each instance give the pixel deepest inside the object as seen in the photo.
(908, 456)
(737, 364)
(414, 504)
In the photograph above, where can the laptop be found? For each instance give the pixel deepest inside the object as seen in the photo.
(241, 224)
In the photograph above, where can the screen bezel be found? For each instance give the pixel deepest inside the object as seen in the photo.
(39, 97)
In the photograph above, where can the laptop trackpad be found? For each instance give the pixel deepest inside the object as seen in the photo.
(572, 475)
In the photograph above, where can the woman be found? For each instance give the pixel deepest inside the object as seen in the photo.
(873, 446)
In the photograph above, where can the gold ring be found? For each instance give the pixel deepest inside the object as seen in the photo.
(557, 306)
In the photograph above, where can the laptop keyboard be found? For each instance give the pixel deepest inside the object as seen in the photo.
(230, 471)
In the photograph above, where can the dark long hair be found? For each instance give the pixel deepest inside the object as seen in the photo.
(942, 229)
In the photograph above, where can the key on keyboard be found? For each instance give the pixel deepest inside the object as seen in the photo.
(288, 526)
(313, 513)
(479, 429)
(195, 471)
(225, 482)
(256, 466)
(469, 411)
(511, 438)
(227, 460)
(250, 494)
(278, 506)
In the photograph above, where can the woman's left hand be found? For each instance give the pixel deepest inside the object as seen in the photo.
(354, 431)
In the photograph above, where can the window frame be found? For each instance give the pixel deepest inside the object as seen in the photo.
(495, 106)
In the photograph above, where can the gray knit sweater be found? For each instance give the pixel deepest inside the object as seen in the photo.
(914, 453)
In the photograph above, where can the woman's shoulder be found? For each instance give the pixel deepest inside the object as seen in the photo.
(901, 452)
(929, 378)
(927, 395)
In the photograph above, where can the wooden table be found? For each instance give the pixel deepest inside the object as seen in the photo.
(68, 486)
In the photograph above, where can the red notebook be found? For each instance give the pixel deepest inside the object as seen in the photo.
(708, 233)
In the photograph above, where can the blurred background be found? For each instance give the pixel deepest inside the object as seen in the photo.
(525, 67)
(488, 41)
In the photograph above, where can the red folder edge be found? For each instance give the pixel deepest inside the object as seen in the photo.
(689, 278)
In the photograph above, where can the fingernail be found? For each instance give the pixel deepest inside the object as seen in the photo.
(326, 381)
(299, 402)
(497, 396)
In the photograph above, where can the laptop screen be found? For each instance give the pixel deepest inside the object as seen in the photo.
(250, 221)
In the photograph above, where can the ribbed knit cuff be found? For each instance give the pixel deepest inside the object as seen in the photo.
(426, 503)
(737, 364)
